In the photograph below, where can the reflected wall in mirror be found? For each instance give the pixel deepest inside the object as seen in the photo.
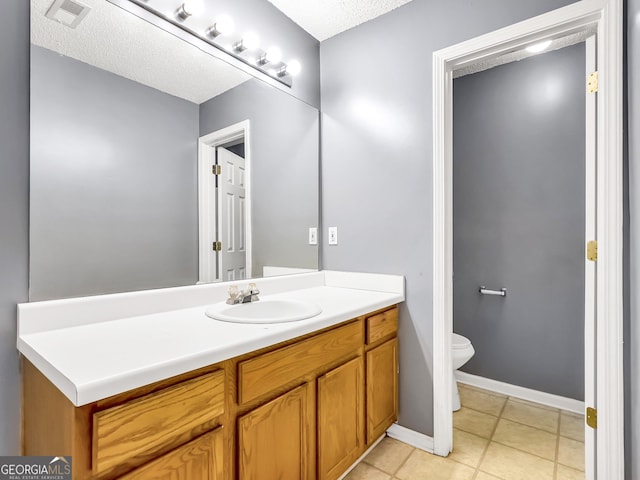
(117, 110)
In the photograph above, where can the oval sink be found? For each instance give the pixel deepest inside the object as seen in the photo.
(264, 311)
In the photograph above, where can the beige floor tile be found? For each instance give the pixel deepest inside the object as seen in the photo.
(366, 472)
(566, 473)
(481, 400)
(528, 439)
(572, 426)
(475, 422)
(509, 463)
(388, 455)
(424, 466)
(467, 448)
(529, 414)
(571, 453)
(486, 476)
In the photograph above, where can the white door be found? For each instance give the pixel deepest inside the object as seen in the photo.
(232, 215)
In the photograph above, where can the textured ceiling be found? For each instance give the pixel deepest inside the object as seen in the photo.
(113, 39)
(326, 18)
(522, 53)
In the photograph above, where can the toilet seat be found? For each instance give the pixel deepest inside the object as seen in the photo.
(459, 341)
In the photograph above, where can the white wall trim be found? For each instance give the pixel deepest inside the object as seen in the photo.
(206, 224)
(411, 437)
(606, 17)
(544, 398)
(609, 280)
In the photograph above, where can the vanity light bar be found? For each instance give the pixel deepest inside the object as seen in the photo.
(245, 49)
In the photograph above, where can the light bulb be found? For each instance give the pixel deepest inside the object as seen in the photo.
(224, 25)
(294, 68)
(539, 47)
(250, 41)
(193, 7)
(273, 55)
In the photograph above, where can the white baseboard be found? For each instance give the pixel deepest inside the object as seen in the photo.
(549, 399)
(411, 437)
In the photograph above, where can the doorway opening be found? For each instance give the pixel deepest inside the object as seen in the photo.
(583, 18)
(519, 230)
(224, 204)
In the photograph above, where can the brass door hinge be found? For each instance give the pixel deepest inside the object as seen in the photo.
(592, 417)
(592, 250)
(216, 169)
(217, 246)
(592, 82)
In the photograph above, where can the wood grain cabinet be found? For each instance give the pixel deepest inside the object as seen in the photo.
(145, 424)
(382, 388)
(304, 409)
(200, 459)
(341, 438)
(273, 440)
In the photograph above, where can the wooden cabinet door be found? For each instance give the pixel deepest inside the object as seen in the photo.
(382, 388)
(200, 459)
(273, 440)
(340, 419)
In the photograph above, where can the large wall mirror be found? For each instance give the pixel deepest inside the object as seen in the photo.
(137, 138)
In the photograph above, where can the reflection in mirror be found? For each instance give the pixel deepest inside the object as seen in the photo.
(127, 125)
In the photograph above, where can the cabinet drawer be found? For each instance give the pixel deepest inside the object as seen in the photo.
(382, 325)
(273, 370)
(200, 459)
(146, 424)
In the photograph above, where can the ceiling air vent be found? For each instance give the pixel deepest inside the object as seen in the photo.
(68, 12)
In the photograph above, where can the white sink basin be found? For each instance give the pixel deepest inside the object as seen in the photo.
(264, 311)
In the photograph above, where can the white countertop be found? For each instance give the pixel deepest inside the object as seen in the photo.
(96, 359)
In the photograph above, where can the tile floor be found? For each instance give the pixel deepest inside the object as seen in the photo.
(494, 438)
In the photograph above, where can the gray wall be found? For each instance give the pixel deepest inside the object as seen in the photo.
(376, 159)
(113, 182)
(14, 208)
(518, 220)
(284, 168)
(632, 376)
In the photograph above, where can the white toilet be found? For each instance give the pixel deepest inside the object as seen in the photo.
(461, 353)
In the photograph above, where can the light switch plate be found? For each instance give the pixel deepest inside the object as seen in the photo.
(333, 235)
(313, 236)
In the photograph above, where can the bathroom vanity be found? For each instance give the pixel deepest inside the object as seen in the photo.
(301, 399)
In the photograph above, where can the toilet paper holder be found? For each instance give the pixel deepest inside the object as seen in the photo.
(487, 291)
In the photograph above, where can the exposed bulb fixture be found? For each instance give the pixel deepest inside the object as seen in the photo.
(292, 68)
(219, 32)
(250, 41)
(539, 47)
(190, 7)
(223, 25)
(272, 55)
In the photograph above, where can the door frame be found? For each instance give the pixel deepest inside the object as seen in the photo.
(208, 201)
(605, 18)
